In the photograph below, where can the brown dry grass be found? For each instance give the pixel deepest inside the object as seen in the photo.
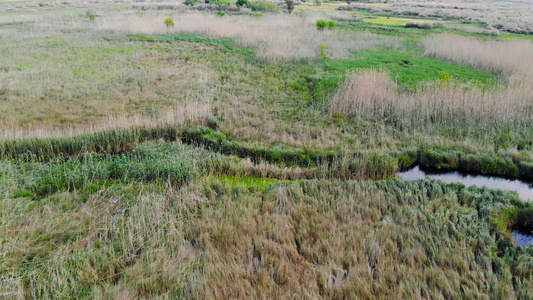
(277, 38)
(372, 95)
(508, 57)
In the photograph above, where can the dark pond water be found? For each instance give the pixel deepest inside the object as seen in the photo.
(524, 189)
(522, 238)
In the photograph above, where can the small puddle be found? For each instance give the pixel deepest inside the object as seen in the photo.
(522, 239)
(524, 189)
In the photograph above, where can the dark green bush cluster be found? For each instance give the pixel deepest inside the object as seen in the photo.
(241, 3)
(526, 168)
(524, 220)
(419, 25)
(323, 24)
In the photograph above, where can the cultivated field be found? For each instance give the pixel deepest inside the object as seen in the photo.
(169, 150)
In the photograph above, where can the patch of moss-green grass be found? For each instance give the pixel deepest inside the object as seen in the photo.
(251, 183)
(407, 70)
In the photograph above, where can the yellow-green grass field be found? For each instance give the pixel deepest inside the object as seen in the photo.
(393, 20)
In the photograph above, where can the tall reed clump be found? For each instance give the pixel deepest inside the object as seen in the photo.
(371, 95)
(365, 93)
(507, 57)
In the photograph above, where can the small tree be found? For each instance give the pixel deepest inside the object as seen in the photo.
(91, 17)
(323, 54)
(290, 5)
(169, 22)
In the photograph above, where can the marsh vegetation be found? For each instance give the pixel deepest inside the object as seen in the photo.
(209, 150)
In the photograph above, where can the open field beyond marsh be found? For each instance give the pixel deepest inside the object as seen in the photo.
(165, 150)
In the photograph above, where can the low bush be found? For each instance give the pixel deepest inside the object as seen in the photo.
(169, 22)
(419, 25)
(323, 24)
(264, 6)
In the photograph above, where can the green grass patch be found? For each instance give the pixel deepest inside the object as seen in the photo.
(511, 36)
(251, 183)
(392, 20)
(407, 70)
(324, 7)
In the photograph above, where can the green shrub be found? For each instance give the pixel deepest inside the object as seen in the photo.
(264, 6)
(190, 2)
(220, 13)
(91, 17)
(169, 22)
(323, 24)
(444, 77)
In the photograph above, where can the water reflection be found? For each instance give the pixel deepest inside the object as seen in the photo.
(524, 189)
(522, 238)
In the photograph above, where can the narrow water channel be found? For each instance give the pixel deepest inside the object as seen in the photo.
(524, 189)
